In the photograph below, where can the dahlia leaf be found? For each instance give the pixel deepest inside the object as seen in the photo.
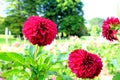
(16, 64)
(16, 57)
(62, 57)
(118, 25)
(63, 77)
(3, 56)
(29, 60)
(40, 51)
(116, 77)
(44, 62)
(41, 77)
(52, 72)
(115, 28)
(56, 67)
(48, 59)
(14, 72)
(12, 56)
(30, 49)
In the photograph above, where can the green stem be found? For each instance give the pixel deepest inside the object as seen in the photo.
(36, 52)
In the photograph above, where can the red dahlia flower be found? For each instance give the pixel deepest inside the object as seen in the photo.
(84, 64)
(110, 28)
(39, 30)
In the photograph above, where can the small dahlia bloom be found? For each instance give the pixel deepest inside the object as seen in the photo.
(39, 30)
(110, 28)
(84, 64)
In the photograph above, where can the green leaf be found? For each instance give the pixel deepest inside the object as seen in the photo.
(16, 64)
(63, 77)
(14, 72)
(62, 57)
(12, 56)
(116, 77)
(29, 60)
(40, 51)
(41, 77)
(56, 67)
(114, 62)
(44, 62)
(40, 61)
(16, 57)
(3, 56)
(48, 59)
(31, 49)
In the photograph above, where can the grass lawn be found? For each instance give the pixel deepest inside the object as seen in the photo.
(11, 39)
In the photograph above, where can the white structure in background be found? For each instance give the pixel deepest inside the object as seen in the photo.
(6, 34)
(9, 33)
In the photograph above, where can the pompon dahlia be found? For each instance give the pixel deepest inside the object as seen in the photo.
(110, 28)
(39, 30)
(84, 64)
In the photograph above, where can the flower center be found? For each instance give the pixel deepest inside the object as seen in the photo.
(42, 27)
(87, 61)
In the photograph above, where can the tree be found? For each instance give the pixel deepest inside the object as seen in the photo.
(15, 17)
(56, 10)
(14, 23)
(95, 26)
(17, 12)
(72, 25)
(2, 29)
(65, 13)
(96, 21)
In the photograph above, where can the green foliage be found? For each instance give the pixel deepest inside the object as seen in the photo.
(14, 24)
(57, 10)
(2, 29)
(95, 26)
(96, 21)
(73, 25)
(35, 64)
(68, 14)
(12, 56)
(116, 77)
(94, 30)
(17, 12)
(45, 63)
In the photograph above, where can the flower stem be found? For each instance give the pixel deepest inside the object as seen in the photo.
(36, 52)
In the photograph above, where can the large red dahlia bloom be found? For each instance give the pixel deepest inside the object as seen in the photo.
(39, 30)
(110, 29)
(84, 64)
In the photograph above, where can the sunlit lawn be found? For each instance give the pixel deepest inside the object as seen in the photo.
(11, 39)
(12, 44)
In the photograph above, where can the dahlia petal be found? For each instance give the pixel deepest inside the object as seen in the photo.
(39, 30)
(106, 28)
(84, 64)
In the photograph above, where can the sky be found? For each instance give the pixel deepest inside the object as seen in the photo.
(100, 8)
(2, 8)
(92, 8)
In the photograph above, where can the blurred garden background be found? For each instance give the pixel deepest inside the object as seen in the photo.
(78, 24)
